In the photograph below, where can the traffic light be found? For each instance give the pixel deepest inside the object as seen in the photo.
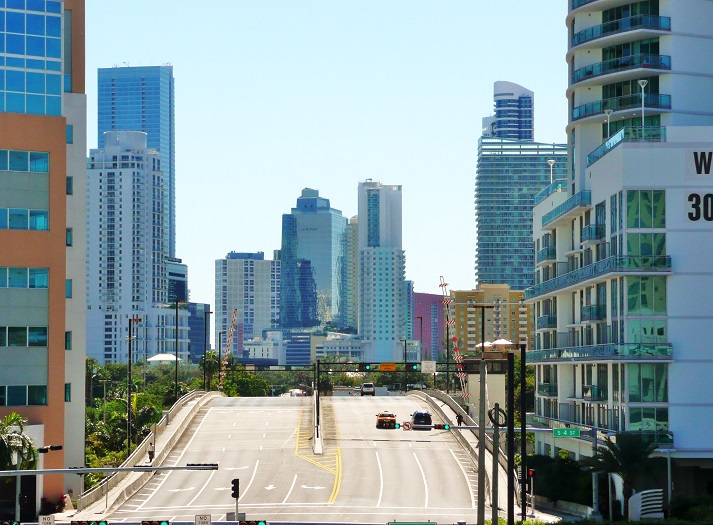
(236, 488)
(148, 522)
(10, 523)
(530, 473)
(254, 522)
(103, 522)
(397, 425)
(364, 367)
(442, 426)
(413, 366)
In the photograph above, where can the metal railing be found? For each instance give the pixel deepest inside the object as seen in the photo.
(594, 393)
(628, 134)
(583, 198)
(633, 101)
(593, 232)
(621, 64)
(556, 186)
(546, 321)
(658, 23)
(547, 389)
(613, 351)
(616, 263)
(594, 312)
(546, 254)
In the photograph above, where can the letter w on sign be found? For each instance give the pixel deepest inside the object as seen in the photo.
(702, 161)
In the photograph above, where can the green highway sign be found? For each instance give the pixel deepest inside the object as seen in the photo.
(566, 432)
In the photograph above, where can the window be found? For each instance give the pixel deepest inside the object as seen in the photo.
(69, 236)
(37, 395)
(70, 186)
(67, 392)
(68, 288)
(70, 134)
(68, 340)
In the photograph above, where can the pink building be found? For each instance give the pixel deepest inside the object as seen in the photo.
(429, 324)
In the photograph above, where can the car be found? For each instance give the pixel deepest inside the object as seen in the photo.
(368, 389)
(385, 419)
(421, 420)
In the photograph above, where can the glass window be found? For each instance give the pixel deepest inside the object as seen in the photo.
(15, 44)
(54, 47)
(3, 152)
(36, 5)
(17, 395)
(18, 160)
(632, 209)
(67, 392)
(54, 84)
(3, 277)
(54, 106)
(16, 336)
(68, 288)
(35, 46)
(17, 277)
(37, 395)
(68, 340)
(3, 395)
(15, 22)
(14, 102)
(659, 294)
(35, 24)
(645, 219)
(39, 278)
(39, 162)
(53, 6)
(54, 26)
(18, 219)
(35, 82)
(3, 335)
(15, 81)
(3, 218)
(68, 240)
(35, 104)
(70, 185)
(70, 134)
(37, 336)
(659, 208)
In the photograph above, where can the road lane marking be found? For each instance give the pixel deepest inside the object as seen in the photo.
(202, 488)
(425, 483)
(290, 491)
(467, 482)
(252, 478)
(270, 487)
(230, 435)
(337, 478)
(381, 480)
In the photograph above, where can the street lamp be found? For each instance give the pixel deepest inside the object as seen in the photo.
(176, 351)
(608, 113)
(133, 319)
(220, 359)
(205, 344)
(643, 84)
(551, 162)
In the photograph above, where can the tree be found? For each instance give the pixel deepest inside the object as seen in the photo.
(13, 441)
(210, 364)
(628, 456)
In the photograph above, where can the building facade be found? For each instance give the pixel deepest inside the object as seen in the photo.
(348, 263)
(514, 117)
(42, 231)
(177, 280)
(298, 308)
(198, 330)
(429, 324)
(383, 293)
(141, 98)
(623, 255)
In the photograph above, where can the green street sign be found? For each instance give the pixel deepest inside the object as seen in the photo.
(566, 432)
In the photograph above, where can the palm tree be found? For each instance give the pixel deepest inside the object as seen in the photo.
(13, 441)
(628, 456)
(211, 366)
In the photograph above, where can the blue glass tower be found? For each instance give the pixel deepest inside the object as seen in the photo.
(142, 99)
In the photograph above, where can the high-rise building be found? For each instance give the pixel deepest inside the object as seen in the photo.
(177, 279)
(429, 324)
(624, 255)
(247, 296)
(514, 117)
(316, 230)
(126, 254)
(348, 264)
(198, 331)
(383, 307)
(298, 307)
(510, 175)
(42, 231)
(141, 98)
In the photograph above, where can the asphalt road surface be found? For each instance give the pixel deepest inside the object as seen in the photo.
(366, 475)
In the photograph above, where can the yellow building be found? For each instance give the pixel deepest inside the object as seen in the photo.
(506, 316)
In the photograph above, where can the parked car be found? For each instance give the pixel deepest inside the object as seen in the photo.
(421, 420)
(368, 389)
(385, 420)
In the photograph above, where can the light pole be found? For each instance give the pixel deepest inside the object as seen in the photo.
(551, 162)
(643, 84)
(608, 113)
(18, 456)
(133, 319)
(176, 351)
(481, 417)
(220, 359)
(205, 344)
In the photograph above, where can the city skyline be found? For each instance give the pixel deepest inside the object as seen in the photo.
(307, 100)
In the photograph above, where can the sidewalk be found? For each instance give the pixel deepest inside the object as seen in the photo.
(128, 483)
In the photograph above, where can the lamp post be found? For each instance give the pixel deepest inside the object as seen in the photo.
(205, 345)
(481, 418)
(551, 162)
(176, 351)
(643, 84)
(220, 358)
(133, 319)
(608, 113)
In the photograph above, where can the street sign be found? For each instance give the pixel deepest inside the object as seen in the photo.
(406, 425)
(202, 519)
(566, 432)
(387, 367)
(428, 367)
(47, 520)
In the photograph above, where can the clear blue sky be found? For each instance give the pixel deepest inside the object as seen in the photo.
(276, 96)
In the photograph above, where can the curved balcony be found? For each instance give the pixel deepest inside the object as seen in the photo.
(651, 101)
(549, 253)
(657, 23)
(610, 351)
(556, 186)
(580, 200)
(616, 65)
(628, 134)
(579, 3)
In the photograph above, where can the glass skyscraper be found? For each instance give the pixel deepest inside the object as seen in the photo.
(514, 113)
(142, 99)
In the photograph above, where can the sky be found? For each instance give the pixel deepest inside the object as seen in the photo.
(275, 96)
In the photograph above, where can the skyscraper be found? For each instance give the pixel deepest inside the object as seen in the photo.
(514, 113)
(429, 324)
(141, 98)
(383, 293)
(42, 231)
(348, 266)
(126, 257)
(623, 256)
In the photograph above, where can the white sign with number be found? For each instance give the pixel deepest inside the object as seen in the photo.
(202, 519)
(47, 520)
(428, 367)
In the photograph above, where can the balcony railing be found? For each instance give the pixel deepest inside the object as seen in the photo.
(612, 351)
(593, 232)
(663, 438)
(549, 253)
(558, 185)
(583, 198)
(594, 393)
(633, 101)
(658, 23)
(546, 321)
(628, 134)
(594, 312)
(616, 263)
(621, 64)
(547, 389)
(580, 3)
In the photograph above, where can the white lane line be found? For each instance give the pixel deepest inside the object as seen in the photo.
(223, 449)
(425, 484)
(467, 483)
(263, 434)
(188, 447)
(290, 491)
(252, 478)
(260, 447)
(202, 488)
(230, 435)
(381, 480)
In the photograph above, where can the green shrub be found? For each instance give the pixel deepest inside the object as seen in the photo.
(680, 505)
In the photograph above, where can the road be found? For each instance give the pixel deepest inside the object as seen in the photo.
(365, 475)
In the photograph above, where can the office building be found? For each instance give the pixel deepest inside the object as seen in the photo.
(177, 280)
(141, 98)
(42, 233)
(510, 174)
(348, 265)
(126, 254)
(198, 330)
(298, 308)
(247, 297)
(383, 303)
(514, 117)
(429, 324)
(623, 255)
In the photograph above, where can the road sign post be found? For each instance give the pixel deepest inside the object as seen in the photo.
(202, 519)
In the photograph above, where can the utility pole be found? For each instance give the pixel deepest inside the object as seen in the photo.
(481, 419)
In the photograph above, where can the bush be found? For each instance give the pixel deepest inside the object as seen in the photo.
(680, 505)
(700, 514)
